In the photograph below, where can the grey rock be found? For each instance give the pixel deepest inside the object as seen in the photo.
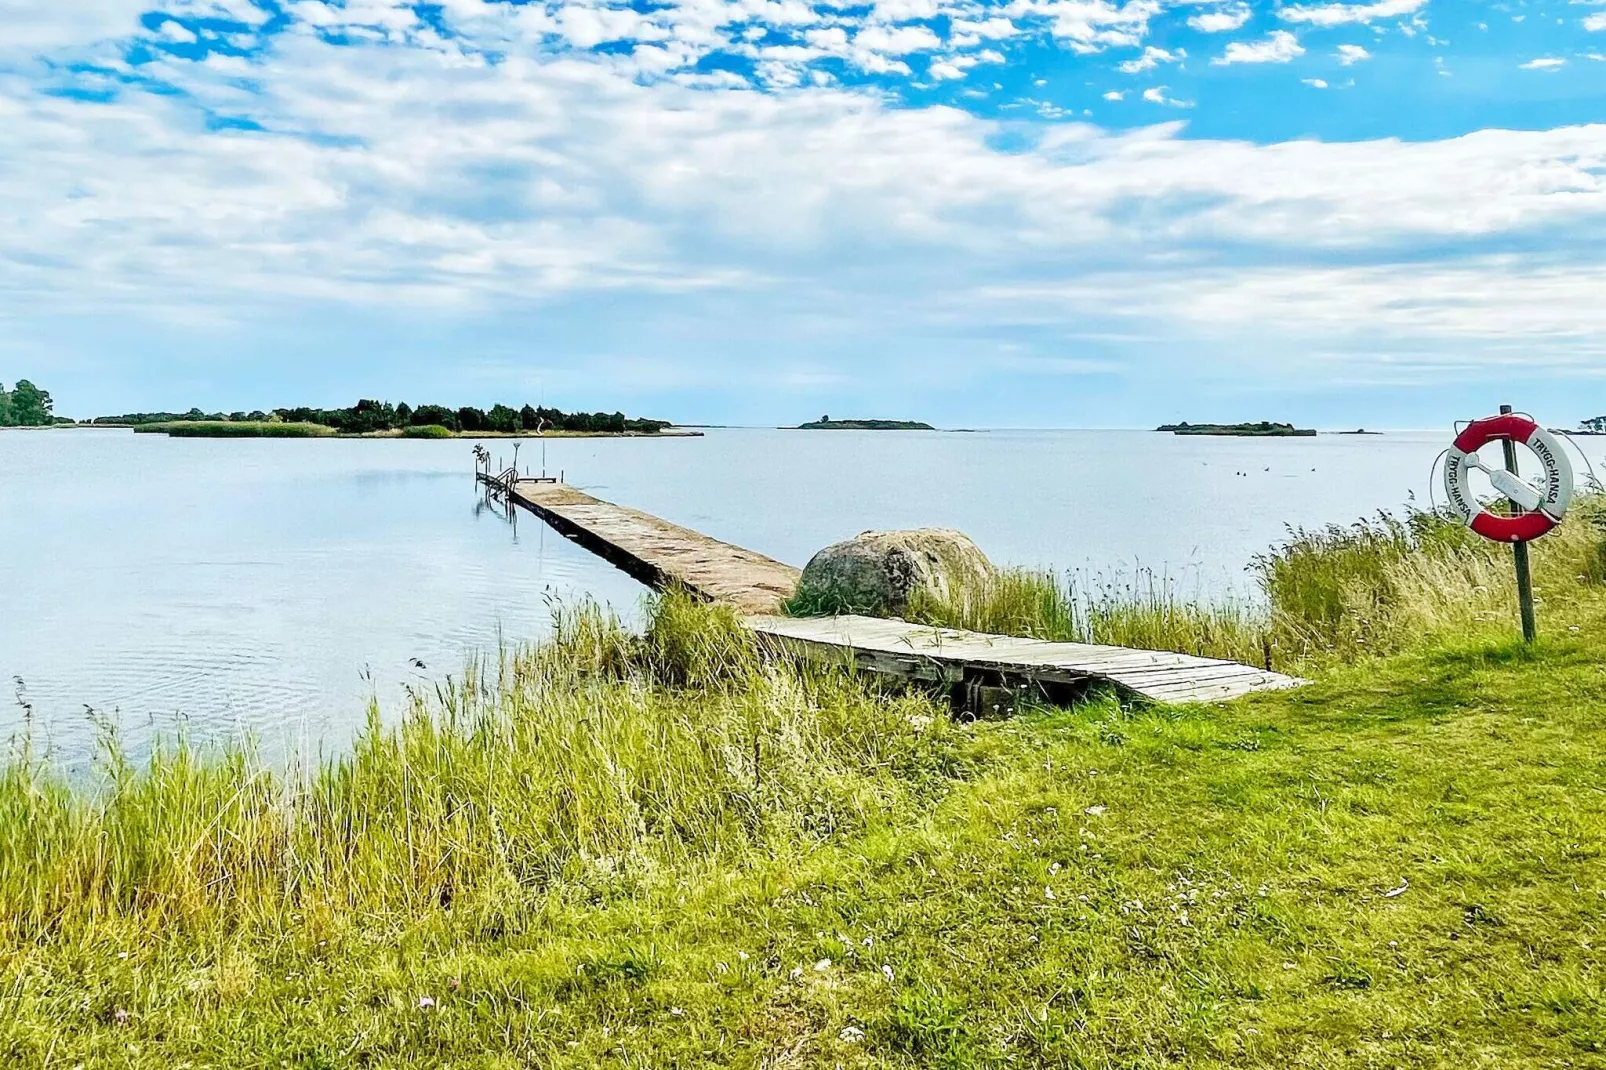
(878, 572)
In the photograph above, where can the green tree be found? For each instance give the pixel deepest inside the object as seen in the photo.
(435, 414)
(30, 406)
(6, 419)
(501, 418)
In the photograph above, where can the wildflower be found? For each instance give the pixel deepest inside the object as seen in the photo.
(1095, 811)
(797, 971)
(425, 1003)
(1048, 893)
(120, 1016)
(677, 1011)
(886, 971)
(822, 965)
(851, 1034)
(741, 956)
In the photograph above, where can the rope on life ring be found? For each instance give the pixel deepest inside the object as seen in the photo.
(1541, 507)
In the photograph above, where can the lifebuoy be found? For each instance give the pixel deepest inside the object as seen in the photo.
(1543, 506)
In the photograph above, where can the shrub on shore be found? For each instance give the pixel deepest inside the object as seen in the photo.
(427, 431)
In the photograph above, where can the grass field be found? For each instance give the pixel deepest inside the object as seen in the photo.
(668, 850)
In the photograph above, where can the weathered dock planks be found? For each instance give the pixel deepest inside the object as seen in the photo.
(944, 655)
(660, 554)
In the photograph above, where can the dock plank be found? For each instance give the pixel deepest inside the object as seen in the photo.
(661, 554)
(1156, 675)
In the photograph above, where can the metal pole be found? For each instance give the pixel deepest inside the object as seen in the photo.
(1519, 550)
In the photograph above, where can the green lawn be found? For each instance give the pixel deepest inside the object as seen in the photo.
(1398, 866)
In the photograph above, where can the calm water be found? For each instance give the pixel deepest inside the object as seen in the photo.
(273, 586)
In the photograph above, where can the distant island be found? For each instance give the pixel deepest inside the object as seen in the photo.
(1360, 431)
(825, 423)
(1263, 429)
(381, 419)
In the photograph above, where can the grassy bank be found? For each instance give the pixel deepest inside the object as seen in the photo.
(1325, 597)
(669, 850)
(241, 429)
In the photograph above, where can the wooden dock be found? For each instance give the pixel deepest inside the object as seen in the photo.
(983, 670)
(659, 553)
(1007, 663)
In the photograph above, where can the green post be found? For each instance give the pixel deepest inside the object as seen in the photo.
(1519, 550)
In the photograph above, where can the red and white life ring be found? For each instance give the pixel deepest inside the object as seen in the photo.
(1543, 506)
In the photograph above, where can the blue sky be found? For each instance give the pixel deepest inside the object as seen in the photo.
(1029, 213)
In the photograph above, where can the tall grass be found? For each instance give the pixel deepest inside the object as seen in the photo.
(576, 762)
(1327, 595)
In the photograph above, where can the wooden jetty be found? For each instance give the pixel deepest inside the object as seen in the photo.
(657, 552)
(984, 663)
(983, 670)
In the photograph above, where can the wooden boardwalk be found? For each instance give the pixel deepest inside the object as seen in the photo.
(943, 655)
(661, 554)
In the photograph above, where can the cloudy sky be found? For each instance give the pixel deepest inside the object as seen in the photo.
(1022, 213)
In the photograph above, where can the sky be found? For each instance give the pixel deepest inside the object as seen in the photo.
(1030, 213)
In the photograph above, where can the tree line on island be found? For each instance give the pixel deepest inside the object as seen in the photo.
(25, 405)
(369, 417)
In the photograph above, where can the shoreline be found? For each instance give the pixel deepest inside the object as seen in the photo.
(215, 429)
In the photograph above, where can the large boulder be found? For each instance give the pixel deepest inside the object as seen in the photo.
(878, 572)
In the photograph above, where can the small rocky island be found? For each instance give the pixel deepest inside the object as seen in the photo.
(1263, 429)
(825, 423)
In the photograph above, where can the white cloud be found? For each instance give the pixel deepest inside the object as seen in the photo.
(897, 42)
(177, 31)
(1092, 25)
(1151, 58)
(1352, 54)
(1547, 63)
(1157, 95)
(1115, 94)
(1222, 20)
(1595, 23)
(37, 28)
(965, 33)
(1339, 14)
(904, 10)
(1315, 83)
(951, 67)
(1280, 47)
